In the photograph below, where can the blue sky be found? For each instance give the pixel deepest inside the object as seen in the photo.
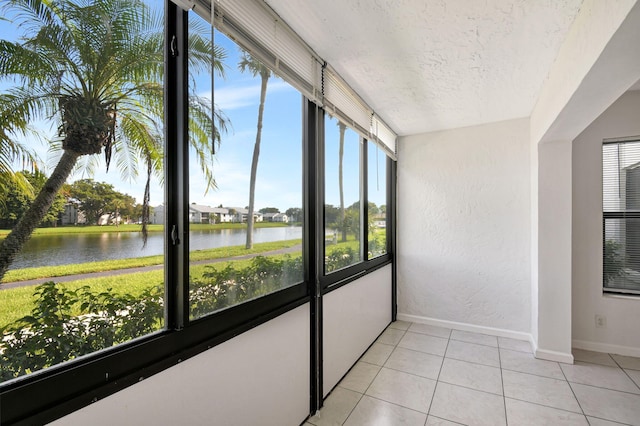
(279, 176)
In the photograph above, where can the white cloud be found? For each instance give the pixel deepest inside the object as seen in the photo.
(235, 97)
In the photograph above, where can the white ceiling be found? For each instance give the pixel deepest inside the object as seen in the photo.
(426, 65)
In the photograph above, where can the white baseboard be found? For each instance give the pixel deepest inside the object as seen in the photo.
(500, 332)
(492, 331)
(553, 356)
(606, 348)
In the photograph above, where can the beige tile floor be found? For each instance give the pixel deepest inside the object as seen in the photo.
(416, 374)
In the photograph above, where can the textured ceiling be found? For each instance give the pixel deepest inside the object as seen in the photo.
(426, 65)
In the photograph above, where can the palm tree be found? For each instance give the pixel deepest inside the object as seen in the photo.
(13, 152)
(342, 127)
(248, 63)
(97, 67)
(118, 204)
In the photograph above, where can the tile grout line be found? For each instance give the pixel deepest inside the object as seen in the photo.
(504, 396)
(573, 392)
(438, 377)
(404, 332)
(610, 421)
(531, 374)
(374, 377)
(478, 363)
(605, 389)
(553, 408)
(354, 407)
(625, 371)
(396, 404)
(470, 388)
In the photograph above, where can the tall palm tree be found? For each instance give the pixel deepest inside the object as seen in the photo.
(342, 127)
(97, 67)
(256, 68)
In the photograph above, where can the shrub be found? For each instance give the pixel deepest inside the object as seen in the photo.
(377, 244)
(219, 289)
(66, 324)
(614, 261)
(55, 332)
(340, 258)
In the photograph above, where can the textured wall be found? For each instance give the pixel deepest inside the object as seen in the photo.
(622, 314)
(464, 225)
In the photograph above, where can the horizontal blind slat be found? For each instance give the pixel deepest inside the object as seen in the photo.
(621, 216)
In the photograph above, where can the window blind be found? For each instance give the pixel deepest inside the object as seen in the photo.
(621, 215)
(259, 30)
(342, 102)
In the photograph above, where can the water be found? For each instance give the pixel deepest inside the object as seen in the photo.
(51, 250)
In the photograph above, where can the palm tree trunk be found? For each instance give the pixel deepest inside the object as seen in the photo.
(21, 233)
(343, 127)
(254, 163)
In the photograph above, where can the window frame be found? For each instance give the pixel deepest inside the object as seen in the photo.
(336, 279)
(49, 394)
(622, 215)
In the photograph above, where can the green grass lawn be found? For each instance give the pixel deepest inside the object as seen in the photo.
(18, 302)
(80, 229)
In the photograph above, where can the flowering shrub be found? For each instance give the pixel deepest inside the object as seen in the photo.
(340, 258)
(219, 289)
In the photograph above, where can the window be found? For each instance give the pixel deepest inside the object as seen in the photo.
(342, 212)
(621, 216)
(245, 227)
(377, 201)
(168, 224)
(90, 243)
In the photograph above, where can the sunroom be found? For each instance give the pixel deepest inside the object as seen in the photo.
(458, 179)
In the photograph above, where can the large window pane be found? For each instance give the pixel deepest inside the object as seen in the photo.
(621, 212)
(342, 196)
(622, 255)
(97, 75)
(377, 198)
(237, 255)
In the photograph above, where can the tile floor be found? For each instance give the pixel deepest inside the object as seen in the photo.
(416, 374)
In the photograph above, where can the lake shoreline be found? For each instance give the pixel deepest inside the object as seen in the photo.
(125, 271)
(50, 250)
(97, 229)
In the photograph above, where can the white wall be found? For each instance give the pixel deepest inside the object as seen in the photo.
(553, 318)
(596, 65)
(260, 377)
(622, 314)
(464, 226)
(354, 315)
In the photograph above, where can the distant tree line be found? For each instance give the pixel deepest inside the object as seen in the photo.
(17, 198)
(93, 199)
(351, 222)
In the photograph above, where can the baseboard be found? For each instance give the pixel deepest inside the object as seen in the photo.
(500, 332)
(553, 356)
(566, 358)
(606, 348)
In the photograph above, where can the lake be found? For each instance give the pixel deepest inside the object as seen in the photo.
(50, 250)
